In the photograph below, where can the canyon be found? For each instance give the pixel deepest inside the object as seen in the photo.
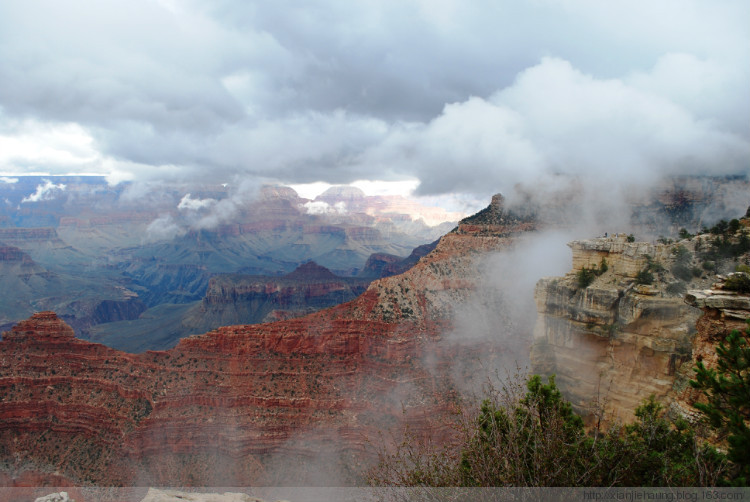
(304, 399)
(101, 256)
(297, 399)
(233, 299)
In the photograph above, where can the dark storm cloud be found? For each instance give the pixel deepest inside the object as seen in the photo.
(335, 91)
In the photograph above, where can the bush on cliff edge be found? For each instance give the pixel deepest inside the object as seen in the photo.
(535, 439)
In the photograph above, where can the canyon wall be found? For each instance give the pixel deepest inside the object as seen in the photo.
(633, 331)
(295, 401)
(238, 298)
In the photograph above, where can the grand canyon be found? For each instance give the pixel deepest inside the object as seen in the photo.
(303, 400)
(330, 244)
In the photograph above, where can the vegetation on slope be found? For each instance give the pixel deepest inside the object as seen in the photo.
(535, 439)
(727, 389)
(528, 435)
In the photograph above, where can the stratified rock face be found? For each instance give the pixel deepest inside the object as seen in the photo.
(723, 312)
(311, 271)
(385, 265)
(41, 327)
(13, 254)
(377, 262)
(27, 234)
(242, 405)
(720, 299)
(236, 298)
(614, 341)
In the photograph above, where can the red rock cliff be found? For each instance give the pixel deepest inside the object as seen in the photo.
(241, 405)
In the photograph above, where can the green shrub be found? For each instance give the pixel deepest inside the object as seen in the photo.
(585, 277)
(709, 266)
(682, 272)
(681, 254)
(684, 234)
(720, 228)
(535, 439)
(630, 238)
(738, 282)
(644, 277)
(603, 266)
(653, 266)
(676, 288)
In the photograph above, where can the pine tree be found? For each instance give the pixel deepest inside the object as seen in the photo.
(727, 388)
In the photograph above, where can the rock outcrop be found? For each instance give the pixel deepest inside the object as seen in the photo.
(723, 311)
(236, 298)
(613, 341)
(384, 265)
(632, 331)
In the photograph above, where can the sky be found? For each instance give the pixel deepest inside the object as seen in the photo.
(441, 98)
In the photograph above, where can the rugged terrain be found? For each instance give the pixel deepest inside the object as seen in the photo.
(233, 299)
(632, 331)
(99, 254)
(248, 404)
(300, 398)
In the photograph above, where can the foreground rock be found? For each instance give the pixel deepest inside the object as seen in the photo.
(55, 497)
(155, 495)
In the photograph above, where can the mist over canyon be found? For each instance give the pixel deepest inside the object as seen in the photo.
(99, 254)
(301, 399)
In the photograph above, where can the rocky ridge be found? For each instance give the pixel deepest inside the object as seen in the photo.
(723, 311)
(238, 298)
(246, 404)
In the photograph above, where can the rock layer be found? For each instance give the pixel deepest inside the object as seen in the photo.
(615, 342)
(246, 404)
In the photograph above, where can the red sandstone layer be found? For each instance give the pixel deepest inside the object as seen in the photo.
(240, 405)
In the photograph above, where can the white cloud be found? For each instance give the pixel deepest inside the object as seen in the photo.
(57, 148)
(163, 228)
(189, 204)
(321, 207)
(46, 191)
(465, 97)
(555, 120)
(380, 187)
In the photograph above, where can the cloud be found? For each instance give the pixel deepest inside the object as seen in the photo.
(8, 180)
(46, 191)
(179, 215)
(322, 207)
(500, 91)
(555, 120)
(38, 146)
(187, 203)
(163, 228)
(241, 195)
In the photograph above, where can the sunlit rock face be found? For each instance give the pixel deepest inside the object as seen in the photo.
(294, 401)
